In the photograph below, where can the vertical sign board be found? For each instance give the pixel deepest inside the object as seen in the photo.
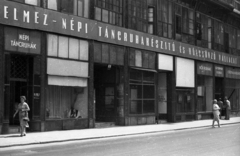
(233, 73)
(21, 40)
(219, 71)
(204, 69)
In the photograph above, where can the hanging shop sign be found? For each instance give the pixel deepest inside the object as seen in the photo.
(37, 18)
(219, 71)
(233, 73)
(20, 40)
(204, 69)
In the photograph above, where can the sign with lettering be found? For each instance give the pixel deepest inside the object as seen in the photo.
(233, 73)
(219, 71)
(20, 40)
(204, 68)
(37, 18)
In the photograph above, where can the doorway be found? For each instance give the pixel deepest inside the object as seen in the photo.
(108, 98)
(18, 79)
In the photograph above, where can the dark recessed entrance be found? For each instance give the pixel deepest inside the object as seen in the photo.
(108, 92)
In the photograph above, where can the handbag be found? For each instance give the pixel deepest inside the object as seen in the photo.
(25, 117)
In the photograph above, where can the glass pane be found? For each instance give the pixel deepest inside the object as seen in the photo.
(136, 92)
(84, 50)
(32, 2)
(151, 60)
(105, 53)
(148, 106)
(136, 107)
(52, 4)
(104, 15)
(148, 76)
(113, 54)
(52, 41)
(73, 48)
(66, 6)
(63, 47)
(138, 58)
(120, 56)
(97, 13)
(148, 92)
(135, 75)
(97, 52)
(145, 60)
(80, 8)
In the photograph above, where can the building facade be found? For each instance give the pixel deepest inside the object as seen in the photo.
(131, 62)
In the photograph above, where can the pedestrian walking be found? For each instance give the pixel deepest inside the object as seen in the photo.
(22, 110)
(220, 104)
(228, 108)
(215, 113)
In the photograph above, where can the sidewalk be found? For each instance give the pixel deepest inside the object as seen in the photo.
(95, 133)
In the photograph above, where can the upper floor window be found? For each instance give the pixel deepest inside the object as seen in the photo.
(218, 35)
(31, 2)
(203, 31)
(141, 15)
(74, 7)
(165, 20)
(109, 11)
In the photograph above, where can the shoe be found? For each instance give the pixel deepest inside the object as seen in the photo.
(213, 126)
(24, 134)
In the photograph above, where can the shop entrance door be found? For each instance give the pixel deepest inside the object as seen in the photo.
(20, 76)
(105, 78)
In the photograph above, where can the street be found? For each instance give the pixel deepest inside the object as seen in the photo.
(224, 141)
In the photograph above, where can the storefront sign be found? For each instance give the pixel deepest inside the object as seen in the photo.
(20, 40)
(31, 17)
(219, 71)
(204, 69)
(233, 73)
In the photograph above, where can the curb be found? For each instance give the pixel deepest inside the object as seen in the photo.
(110, 136)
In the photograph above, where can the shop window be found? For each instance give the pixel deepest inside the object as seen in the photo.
(165, 20)
(108, 54)
(142, 92)
(143, 59)
(74, 7)
(205, 93)
(31, 2)
(109, 11)
(61, 99)
(185, 100)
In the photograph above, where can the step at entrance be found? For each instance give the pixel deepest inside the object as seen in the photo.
(104, 124)
(161, 121)
(14, 129)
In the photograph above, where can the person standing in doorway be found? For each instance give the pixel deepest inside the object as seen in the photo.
(228, 108)
(220, 104)
(215, 113)
(22, 110)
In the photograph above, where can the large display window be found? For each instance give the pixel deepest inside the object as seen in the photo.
(67, 73)
(142, 92)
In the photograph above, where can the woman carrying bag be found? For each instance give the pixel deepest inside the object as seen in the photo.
(22, 110)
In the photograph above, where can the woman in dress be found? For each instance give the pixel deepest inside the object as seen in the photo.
(22, 110)
(215, 113)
